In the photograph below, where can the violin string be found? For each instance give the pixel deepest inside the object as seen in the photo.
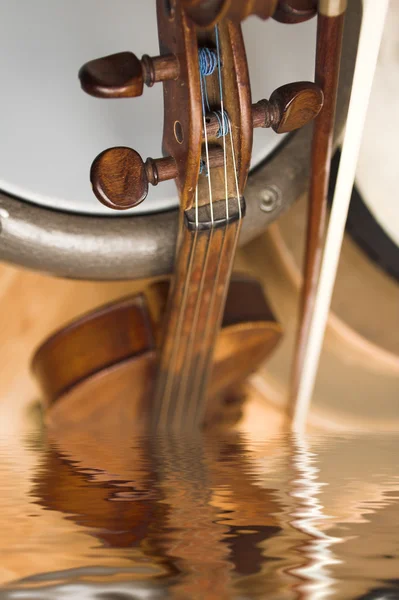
(184, 376)
(233, 156)
(208, 62)
(207, 65)
(197, 385)
(224, 133)
(204, 95)
(205, 358)
(205, 366)
(191, 342)
(163, 411)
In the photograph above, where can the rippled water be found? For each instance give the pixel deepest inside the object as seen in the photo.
(209, 518)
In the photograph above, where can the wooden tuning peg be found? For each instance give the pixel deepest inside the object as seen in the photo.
(120, 178)
(295, 11)
(290, 107)
(123, 75)
(207, 13)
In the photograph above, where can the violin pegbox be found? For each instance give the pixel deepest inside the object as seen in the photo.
(207, 13)
(119, 176)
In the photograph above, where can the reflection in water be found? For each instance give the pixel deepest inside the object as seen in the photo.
(188, 504)
(308, 517)
(208, 517)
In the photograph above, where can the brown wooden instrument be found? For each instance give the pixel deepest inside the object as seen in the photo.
(98, 373)
(103, 369)
(206, 13)
(328, 56)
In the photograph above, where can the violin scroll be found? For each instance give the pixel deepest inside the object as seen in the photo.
(119, 177)
(207, 13)
(295, 11)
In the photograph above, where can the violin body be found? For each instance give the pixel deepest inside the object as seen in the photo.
(98, 372)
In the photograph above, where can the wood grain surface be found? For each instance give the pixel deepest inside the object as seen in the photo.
(328, 57)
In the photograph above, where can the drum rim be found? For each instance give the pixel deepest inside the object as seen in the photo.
(136, 247)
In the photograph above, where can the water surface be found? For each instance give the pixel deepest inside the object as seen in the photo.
(213, 517)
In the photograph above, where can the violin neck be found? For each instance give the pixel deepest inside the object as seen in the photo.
(210, 220)
(194, 313)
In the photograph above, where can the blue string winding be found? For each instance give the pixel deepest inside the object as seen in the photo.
(223, 121)
(208, 63)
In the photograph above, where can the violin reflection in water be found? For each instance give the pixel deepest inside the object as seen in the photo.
(188, 510)
(230, 517)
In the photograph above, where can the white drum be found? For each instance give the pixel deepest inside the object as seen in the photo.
(50, 130)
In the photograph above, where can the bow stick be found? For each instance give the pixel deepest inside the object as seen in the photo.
(367, 54)
(328, 54)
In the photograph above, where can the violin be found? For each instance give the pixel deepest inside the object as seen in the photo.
(174, 356)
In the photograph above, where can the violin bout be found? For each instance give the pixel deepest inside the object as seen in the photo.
(98, 372)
